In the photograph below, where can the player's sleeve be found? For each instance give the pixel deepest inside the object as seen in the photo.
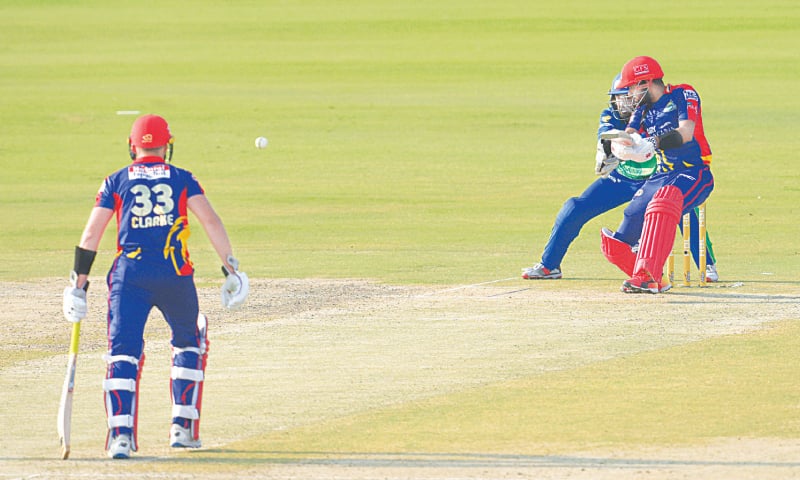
(636, 119)
(105, 196)
(606, 122)
(679, 99)
(692, 103)
(193, 186)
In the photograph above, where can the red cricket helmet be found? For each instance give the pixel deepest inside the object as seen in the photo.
(640, 68)
(150, 131)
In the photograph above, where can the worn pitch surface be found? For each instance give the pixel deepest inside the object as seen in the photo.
(304, 352)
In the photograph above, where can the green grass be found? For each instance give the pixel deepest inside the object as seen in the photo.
(409, 143)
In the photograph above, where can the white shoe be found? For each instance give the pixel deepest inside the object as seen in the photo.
(539, 271)
(120, 447)
(180, 437)
(711, 273)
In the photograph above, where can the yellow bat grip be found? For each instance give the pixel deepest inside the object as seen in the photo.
(75, 339)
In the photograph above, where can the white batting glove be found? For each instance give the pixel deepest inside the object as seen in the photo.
(75, 301)
(636, 149)
(236, 286)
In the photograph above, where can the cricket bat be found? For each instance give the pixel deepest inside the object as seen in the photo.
(617, 135)
(65, 407)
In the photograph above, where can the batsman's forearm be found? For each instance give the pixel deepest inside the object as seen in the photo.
(95, 226)
(213, 226)
(219, 239)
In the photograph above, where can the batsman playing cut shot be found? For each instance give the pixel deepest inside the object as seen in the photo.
(150, 199)
(683, 181)
(616, 184)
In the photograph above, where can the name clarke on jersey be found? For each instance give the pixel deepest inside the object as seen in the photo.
(152, 221)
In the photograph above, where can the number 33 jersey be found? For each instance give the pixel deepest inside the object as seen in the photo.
(149, 199)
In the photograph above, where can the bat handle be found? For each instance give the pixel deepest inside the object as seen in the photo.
(75, 338)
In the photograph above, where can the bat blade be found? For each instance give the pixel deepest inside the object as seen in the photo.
(65, 405)
(618, 135)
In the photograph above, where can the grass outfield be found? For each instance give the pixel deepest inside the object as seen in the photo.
(431, 142)
(421, 144)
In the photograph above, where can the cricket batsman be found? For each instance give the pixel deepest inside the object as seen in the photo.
(150, 200)
(668, 116)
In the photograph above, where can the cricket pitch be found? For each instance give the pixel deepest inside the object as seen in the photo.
(305, 353)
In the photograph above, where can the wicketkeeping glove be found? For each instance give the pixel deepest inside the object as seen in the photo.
(605, 164)
(75, 300)
(236, 286)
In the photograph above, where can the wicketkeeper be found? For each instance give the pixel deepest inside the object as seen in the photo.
(150, 199)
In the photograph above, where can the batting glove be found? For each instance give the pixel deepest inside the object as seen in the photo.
(236, 286)
(638, 150)
(75, 300)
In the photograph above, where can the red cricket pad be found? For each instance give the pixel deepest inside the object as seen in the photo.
(658, 233)
(617, 252)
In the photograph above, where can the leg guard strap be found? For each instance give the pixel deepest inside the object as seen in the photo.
(183, 373)
(118, 421)
(127, 384)
(185, 411)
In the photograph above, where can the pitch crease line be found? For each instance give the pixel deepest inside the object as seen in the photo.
(461, 287)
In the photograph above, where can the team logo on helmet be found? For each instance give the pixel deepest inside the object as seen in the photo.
(150, 131)
(640, 68)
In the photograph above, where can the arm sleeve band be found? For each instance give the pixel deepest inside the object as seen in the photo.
(83, 260)
(671, 139)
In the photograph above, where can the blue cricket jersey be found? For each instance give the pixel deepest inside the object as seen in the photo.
(149, 199)
(660, 118)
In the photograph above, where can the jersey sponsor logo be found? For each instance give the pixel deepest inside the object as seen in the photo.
(670, 107)
(605, 118)
(148, 172)
(691, 95)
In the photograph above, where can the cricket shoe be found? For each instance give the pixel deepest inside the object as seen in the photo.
(539, 272)
(120, 447)
(711, 273)
(644, 284)
(180, 437)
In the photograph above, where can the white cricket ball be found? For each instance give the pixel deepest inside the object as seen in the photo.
(261, 142)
